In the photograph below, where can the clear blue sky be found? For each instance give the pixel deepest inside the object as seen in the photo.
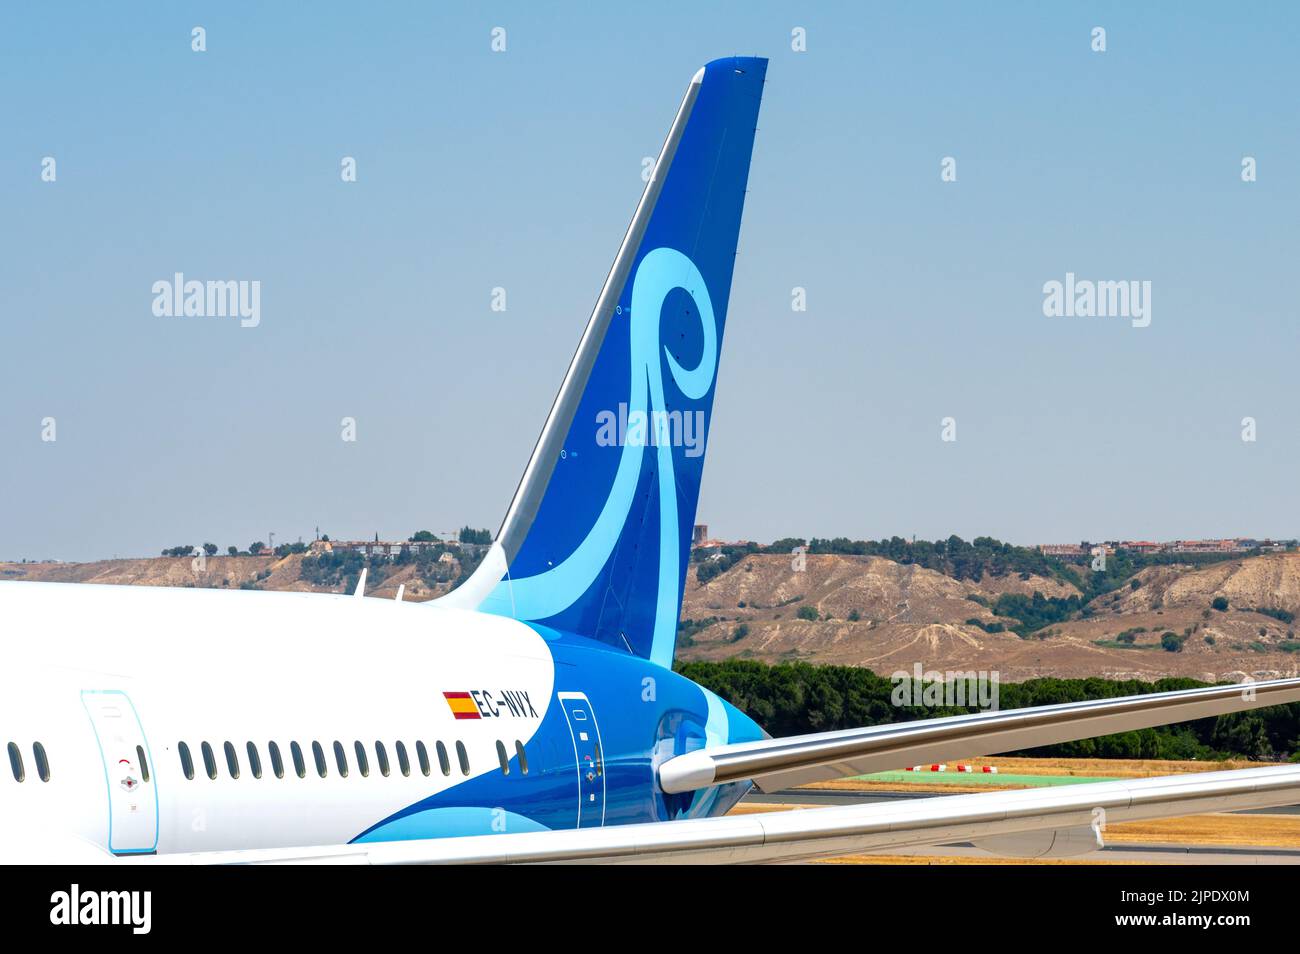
(521, 169)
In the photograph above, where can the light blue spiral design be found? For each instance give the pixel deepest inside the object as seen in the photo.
(555, 590)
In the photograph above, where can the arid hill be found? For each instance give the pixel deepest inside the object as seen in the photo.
(908, 615)
(219, 572)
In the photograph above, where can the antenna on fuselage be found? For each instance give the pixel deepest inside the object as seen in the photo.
(361, 582)
(401, 588)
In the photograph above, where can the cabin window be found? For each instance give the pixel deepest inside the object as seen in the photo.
(382, 754)
(522, 756)
(16, 762)
(187, 763)
(318, 754)
(341, 756)
(503, 758)
(422, 754)
(299, 765)
(403, 762)
(277, 763)
(232, 760)
(254, 761)
(443, 762)
(209, 760)
(363, 761)
(143, 762)
(463, 757)
(42, 763)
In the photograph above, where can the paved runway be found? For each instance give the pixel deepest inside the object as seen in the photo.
(1159, 854)
(1139, 854)
(819, 796)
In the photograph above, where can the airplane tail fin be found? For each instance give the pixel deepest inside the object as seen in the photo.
(597, 538)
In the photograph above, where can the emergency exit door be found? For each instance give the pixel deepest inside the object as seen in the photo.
(128, 772)
(588, 756)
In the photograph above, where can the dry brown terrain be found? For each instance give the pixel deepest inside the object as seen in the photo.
(909, 615)
(218, 572)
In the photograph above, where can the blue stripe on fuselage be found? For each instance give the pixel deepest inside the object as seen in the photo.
(646, 714)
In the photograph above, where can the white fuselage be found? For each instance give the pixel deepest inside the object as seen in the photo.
(91, 672)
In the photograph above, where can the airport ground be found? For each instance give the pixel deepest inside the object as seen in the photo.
(1269, 836)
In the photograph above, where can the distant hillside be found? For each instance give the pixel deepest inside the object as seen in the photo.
(226, 572)
(872, 612)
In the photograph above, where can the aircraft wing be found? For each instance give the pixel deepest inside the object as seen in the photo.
(993, 820)
(774, 764)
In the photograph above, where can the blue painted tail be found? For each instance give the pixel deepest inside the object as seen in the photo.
(597, 538)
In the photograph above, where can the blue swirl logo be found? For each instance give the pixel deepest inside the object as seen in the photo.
(551, 592)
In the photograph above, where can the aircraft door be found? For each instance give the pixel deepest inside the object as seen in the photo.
(128, 772)
(588, 756)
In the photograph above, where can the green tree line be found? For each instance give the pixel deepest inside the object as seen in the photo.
(795, 698)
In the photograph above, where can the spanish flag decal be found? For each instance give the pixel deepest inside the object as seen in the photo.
(461, 705)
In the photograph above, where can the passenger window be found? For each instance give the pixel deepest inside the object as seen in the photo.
(341, 756)
(16, 762)
(232, 760)
(143, 762)
(382, 755)
(363, 762)
(187, 763)
(42, 763)
(443, 762)
(463, 757)
(318, 754)
(503, 758)
(299, 765)
(254, 761)
(403, 762)
(277, 763)
(423, 755)
(209, 760)
(522, 756)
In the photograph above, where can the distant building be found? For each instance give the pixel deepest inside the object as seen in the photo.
(1143, 546)
(1062, 549)
(699, 534)
(1234, 545)
(1207, 546)
(384, 548)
